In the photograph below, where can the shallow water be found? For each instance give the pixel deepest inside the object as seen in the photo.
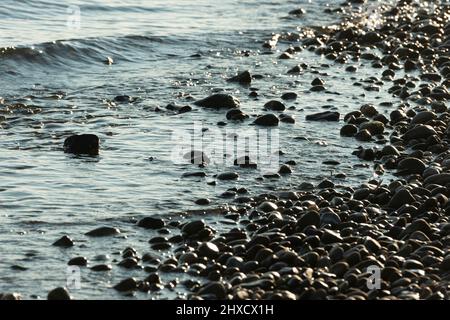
(163, 52)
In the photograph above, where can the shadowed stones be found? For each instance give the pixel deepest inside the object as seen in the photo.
(219, 101)
(78, 261)
(215, 290)
(129, 284)
(87, 144)
(324, 116)
(267, 120)
(103, 232)
(244, 78)
(289, 96)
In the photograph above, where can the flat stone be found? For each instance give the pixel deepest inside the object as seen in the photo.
(103, 232)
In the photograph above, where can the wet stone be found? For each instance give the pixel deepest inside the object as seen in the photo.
(64, 241)
(151, 223)
(103, 232)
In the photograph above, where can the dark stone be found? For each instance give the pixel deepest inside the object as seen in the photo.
(324, 116)
(103, 232)
(101, 267)
(78, 261)
(228, 176)
(311, 218)
(349, 130)
(236, 115)
(64, 241)
(208, 249)
(218, 101)
(402, 197)
(59, 294)
(129, 284)
(267, 120)
(215, 289)
(243, 78)
(87, 144)
(151, 223)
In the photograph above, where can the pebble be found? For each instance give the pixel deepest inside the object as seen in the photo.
(228, 176)
(78, 261)
(129, 284)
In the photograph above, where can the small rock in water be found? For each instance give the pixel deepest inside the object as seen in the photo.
(236, 114)
(267, 120)
(129, 284)
(78, 261)
(324, 116)
(218, 101)
(59, 294)
(64, 241)
(242, 78)
(103, 232)
(151, 223)
(228, 176)
(88, 144)
(274, 105)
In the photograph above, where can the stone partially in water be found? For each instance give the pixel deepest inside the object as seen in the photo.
(64, 241)
(228, 176)
(88, 144)
(103, 232)
(243, 78)
(151, 223)
(275, 105)
(59, 294)
(324, 116)
(267, 120)
(219, 101)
